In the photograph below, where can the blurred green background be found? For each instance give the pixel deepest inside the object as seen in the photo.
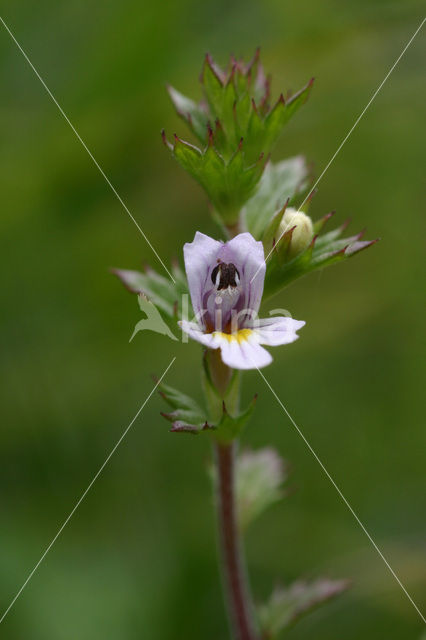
(138, 558)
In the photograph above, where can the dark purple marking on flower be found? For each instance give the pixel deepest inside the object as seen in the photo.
(225, 275)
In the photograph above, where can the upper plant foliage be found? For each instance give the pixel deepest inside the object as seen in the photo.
(291, 257)
(236, 126)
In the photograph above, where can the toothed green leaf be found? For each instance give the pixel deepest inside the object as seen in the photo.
(166, 295)
(212, 86)
(228, 184)
(189, 156)
(242, 114)
(281, 114)
(187, 416)
(182, 402)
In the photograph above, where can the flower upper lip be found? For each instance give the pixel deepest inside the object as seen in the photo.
(239, 259)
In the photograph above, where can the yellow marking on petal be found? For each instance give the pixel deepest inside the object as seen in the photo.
(242, 335)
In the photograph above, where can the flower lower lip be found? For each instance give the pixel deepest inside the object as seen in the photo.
(238, 336)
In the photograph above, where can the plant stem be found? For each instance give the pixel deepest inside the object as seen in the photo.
(234, 575)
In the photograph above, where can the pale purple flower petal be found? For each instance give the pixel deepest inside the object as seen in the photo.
(199, 257)
(248, 256)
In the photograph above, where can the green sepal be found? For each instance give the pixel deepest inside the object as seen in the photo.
(287, 605)
(214, 399)
(260, 476)
(230, 426)
(223, 407)
(272, 230)
(279, 184)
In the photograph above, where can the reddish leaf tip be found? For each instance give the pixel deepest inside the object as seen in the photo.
(210, 138)
(345, 224)
(311, 195)
(313, 241)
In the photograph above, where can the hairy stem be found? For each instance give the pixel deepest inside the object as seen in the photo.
(234, 575)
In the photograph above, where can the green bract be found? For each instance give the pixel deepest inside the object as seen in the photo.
(236, 127)
(329, 248)
(170, 297)
(188, 417)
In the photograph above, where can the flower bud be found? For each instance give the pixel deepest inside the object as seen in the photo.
(302, 233)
